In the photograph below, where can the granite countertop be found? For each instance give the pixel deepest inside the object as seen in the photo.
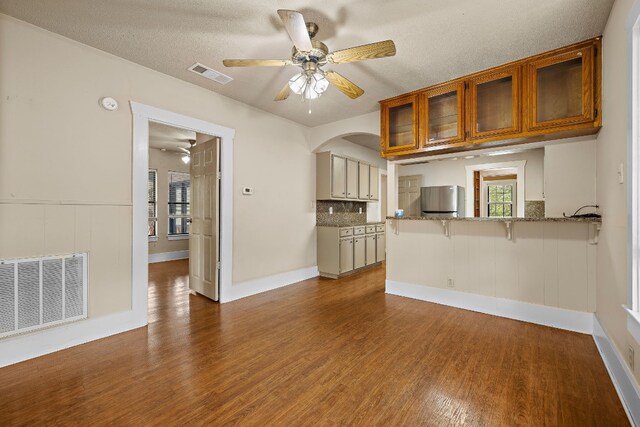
(481, 219)
(351, 225)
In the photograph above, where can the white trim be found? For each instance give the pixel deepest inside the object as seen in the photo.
(622, 378)
(633, 155)
(263, 284)
(561, 318)
(142, 114)
(177, 237)
(168, 256)
(153, 238)
(633, 323)
(23, 347)
(520, 189)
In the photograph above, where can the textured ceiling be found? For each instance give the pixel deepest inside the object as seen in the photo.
(366, 140)
(168, 137)
(436, 40)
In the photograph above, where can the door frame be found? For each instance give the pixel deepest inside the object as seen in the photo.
(142, 115)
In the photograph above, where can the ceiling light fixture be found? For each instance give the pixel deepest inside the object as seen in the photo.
(185, 159)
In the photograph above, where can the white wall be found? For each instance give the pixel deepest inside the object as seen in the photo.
(569, 177)
(453, 172)
(611, 151)
(65, 163)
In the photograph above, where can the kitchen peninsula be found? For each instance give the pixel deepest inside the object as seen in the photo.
(540, 270)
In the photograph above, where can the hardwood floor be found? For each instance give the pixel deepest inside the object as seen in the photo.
(321, 352)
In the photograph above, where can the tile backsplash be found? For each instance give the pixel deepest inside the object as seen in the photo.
(534, 209)
(343, 212)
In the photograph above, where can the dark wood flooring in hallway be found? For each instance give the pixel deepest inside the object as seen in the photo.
(320, 352)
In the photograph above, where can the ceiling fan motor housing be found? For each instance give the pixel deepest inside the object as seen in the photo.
(317, 55)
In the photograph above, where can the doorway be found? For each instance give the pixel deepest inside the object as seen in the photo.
(142, 116)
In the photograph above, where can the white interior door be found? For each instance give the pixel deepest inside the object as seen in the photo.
(204, 231)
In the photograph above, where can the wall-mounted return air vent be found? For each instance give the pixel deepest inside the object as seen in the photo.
(40, 292)
(210, 73)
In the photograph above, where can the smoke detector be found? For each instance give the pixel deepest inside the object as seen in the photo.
(210, 73)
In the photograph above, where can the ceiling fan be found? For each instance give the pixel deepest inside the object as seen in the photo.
(311, 55)
(186, 157)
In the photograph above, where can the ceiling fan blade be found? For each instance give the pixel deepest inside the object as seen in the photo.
(343, 84)
(256, 62)
(184, 149)
(284, 93)
(297, 29)
(360, 53)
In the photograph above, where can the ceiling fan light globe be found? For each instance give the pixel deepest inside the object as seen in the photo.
(319, 82)
(185, 159)
(297, 83)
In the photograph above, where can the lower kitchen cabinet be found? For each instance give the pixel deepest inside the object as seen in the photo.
(342, 250)
(380, 247)
(371, 249)
(359, 257)
(346, 255)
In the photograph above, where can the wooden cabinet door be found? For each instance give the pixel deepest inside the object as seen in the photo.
(560, 89)
(363, 181)
(359, 252)
(371, 249)
(380, 247)
(494, 103)
(399, 125)
(338, 177)
(352, 179)
(442, 115)
(346, 255)
(374, 191)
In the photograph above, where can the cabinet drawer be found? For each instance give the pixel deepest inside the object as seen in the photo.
(371, 229)
(380, 228)
(344, 232)
(358, 230)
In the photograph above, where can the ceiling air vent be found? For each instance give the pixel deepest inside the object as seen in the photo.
(210, 74)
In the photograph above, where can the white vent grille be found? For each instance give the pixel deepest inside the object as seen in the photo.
(39, 292)
(210, 73)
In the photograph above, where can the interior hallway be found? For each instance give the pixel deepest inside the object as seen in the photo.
(318, 352)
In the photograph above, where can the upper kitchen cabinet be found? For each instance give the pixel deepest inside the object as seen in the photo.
(442, 115)
(561, 88)
(399, 125)
(494, 101)
(343, 178)
(549, 96)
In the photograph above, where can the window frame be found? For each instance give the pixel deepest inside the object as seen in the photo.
(514, 197)
(177, 236)
(153, 237)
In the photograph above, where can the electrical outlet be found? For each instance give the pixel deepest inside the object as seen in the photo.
(330, 210)
(359, 210)
(450, 283)
(631, 357)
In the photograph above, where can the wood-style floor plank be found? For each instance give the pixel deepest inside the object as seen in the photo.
(321, 352)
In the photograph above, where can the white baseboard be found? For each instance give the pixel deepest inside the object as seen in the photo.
(577, 321)
(168, 256)
(263, 284)
(23, 347)
(622, 377)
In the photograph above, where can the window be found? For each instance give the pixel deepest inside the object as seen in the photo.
(152, 191)
(499, 200)
(179, 197)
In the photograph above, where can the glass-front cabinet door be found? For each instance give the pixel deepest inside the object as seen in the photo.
(561, 89)
(494, 100)
(400, 125)
(442, 115)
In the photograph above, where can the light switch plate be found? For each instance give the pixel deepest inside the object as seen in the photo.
(621, 173)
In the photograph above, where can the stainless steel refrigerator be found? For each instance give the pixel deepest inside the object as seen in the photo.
(446, 200)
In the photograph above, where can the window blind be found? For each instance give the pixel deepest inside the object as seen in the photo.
(152, 195)
(179, 198)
